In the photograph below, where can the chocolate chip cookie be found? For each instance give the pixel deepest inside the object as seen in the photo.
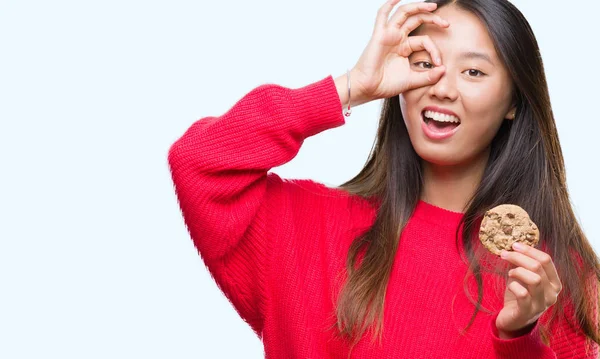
(506, 224)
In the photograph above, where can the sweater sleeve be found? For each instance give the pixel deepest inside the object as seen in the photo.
(565, 342)
(227, 197)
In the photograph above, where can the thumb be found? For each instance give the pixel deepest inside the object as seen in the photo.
(430, 77)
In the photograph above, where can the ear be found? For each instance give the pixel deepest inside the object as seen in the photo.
(510, 115)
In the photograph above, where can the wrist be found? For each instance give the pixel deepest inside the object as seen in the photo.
(357, 96)
(517, 333)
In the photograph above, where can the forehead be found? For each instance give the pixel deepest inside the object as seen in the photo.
(465, 33)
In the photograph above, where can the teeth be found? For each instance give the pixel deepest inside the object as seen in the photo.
(441, 117)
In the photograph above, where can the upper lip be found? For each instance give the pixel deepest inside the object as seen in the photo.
(440, 110)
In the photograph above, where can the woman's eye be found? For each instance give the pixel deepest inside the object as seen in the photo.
(428, 65)
(474, 73)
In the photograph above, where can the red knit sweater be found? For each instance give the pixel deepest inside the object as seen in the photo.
(276, 247)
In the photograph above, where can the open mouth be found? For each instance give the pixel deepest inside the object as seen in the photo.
(439, 122)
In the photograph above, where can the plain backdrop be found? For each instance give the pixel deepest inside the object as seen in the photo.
(95, 260)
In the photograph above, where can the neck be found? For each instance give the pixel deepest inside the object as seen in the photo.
(451, 187)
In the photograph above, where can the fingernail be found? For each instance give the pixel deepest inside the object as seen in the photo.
(504, 254)
(518, 246)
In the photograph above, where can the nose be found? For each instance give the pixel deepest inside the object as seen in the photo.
(445, 88)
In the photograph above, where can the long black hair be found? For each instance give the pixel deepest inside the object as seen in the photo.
(525, 167)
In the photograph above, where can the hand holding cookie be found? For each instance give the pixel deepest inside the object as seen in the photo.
(533, 287)
(533, 284)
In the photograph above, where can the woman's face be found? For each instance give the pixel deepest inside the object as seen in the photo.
(476, 88)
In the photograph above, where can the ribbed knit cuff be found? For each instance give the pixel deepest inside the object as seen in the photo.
(525, 346)
(319, 105)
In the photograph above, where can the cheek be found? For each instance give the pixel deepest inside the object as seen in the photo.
(479, 99)
(490, 97)
(485, 108)
(408, 105)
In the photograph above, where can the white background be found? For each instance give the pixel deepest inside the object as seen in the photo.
(95, 261)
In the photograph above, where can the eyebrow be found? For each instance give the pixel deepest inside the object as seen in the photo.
(476, 55)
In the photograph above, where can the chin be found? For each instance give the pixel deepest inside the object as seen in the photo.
(438, 156)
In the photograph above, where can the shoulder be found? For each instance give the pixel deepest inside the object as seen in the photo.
(319, 202)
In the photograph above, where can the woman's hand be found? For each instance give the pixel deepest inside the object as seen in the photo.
(383, 69)
(533, 286)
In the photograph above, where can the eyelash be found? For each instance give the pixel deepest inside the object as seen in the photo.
(478, 71)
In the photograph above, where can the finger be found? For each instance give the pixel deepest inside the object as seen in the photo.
(413, 23)
(383, 13)
(522, 295)
(425, 78)
(404, 12)
(532, 281)
(521, 260)
(420, 43)
(416, 20)
(545, 260)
